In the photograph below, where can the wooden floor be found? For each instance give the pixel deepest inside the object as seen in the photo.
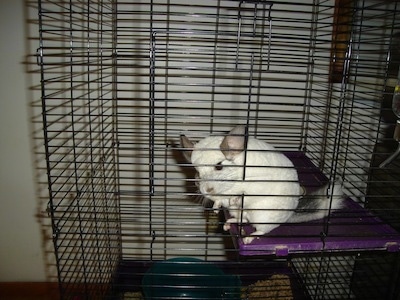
(28, 291)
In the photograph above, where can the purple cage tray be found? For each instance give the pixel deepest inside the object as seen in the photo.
(352, 228)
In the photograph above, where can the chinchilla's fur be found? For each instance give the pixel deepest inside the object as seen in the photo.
(264, 193)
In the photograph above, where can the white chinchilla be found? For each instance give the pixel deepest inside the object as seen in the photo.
(266, 193)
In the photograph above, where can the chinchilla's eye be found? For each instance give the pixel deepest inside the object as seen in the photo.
(219, 166)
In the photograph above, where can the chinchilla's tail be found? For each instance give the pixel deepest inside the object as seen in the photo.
(318, 204)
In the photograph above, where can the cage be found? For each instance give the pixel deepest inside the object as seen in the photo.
(121, 81)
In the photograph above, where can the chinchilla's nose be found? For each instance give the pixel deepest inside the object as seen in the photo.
(206, 189)
(209, 190)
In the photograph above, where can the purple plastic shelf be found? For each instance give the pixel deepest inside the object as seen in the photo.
(352, 228)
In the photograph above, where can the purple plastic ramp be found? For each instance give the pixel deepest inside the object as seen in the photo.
(351, 229)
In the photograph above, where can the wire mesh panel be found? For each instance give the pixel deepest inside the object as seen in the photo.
(76, 59)
(123, 81)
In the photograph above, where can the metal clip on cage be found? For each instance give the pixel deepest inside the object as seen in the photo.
(255, 27)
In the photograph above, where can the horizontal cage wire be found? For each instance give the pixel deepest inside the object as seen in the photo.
(222, 149)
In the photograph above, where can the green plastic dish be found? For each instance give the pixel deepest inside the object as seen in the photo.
(189, 278)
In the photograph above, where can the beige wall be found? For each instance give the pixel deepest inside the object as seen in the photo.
(21, 254)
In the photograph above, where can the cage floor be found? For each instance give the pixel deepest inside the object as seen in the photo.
(333, 233)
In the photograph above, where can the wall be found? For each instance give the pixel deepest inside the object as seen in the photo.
(21, 253)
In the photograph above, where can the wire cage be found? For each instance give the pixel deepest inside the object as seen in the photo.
(122, 81)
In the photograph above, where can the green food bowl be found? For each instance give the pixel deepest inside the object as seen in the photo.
(189, 278)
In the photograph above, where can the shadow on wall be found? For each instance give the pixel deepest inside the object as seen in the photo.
(32, 70)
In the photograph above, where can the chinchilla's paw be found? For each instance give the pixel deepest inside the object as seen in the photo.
(248, 239)
(227, 226)
(217, 206)
(255, 235)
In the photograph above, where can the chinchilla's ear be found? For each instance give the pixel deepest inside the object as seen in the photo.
(188, 145)
(234, 143)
